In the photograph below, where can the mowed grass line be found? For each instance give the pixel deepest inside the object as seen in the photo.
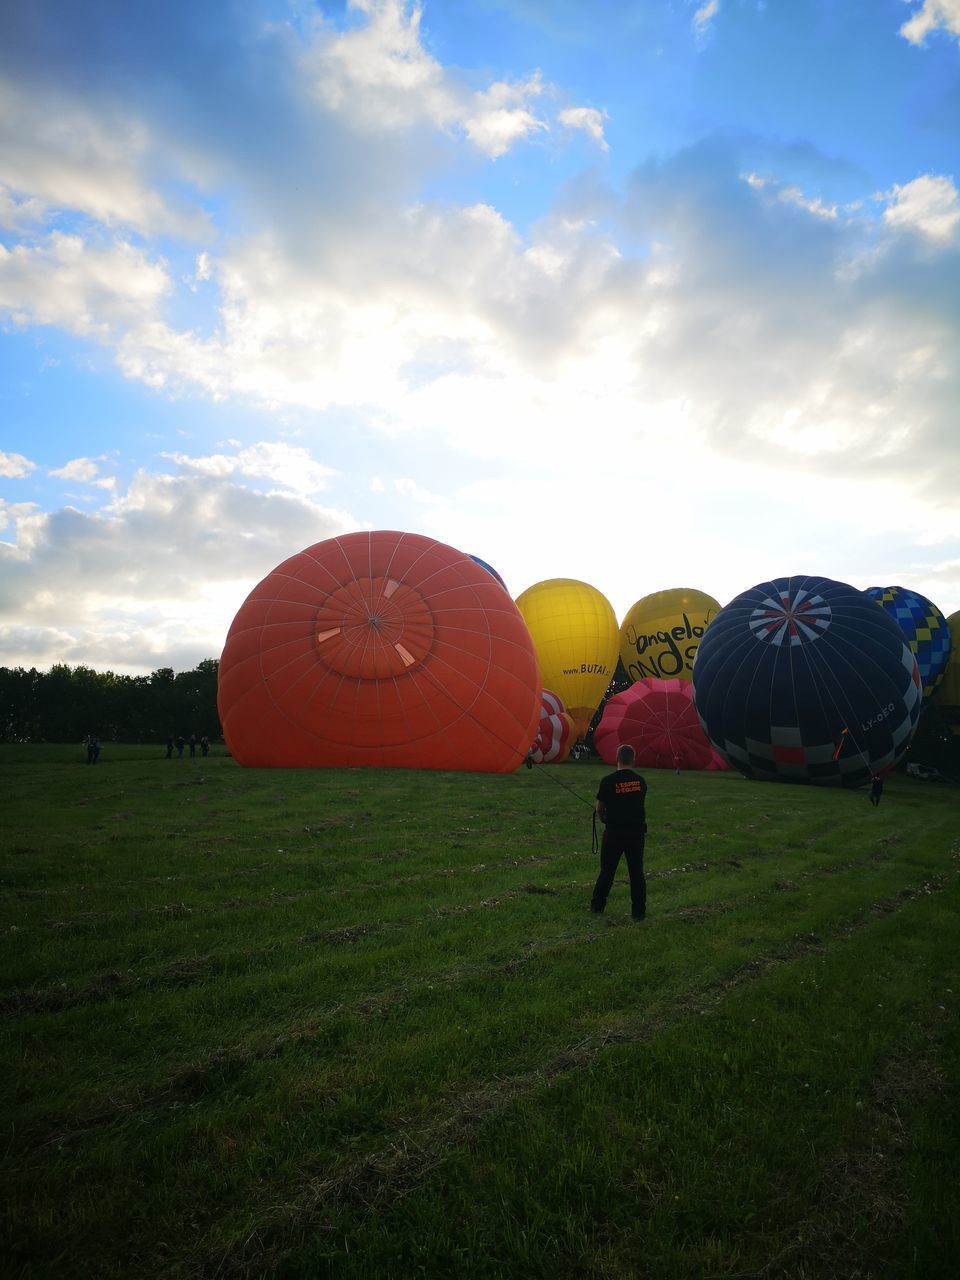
(200, 968)
(800, 1125)
(298, 984)
(388, 1170)
(320, 1054)
(401, 908)
(342, 1016)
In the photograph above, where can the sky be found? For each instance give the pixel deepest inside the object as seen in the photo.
(648, 293)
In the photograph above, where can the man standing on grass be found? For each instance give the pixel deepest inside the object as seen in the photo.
(620, 806)
(876, 789)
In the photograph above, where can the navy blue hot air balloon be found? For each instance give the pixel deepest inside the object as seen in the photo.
(489, 568)
(804, 679)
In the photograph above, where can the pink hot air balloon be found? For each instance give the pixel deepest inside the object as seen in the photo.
(658, 719)
(556, 733)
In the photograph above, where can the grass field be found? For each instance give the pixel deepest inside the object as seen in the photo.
(361, 1024)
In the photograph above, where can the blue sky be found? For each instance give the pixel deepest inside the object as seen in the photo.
(649, 294)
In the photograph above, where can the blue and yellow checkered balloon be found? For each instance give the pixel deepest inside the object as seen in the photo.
(924, 627)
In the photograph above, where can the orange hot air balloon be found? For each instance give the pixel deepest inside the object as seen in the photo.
(381, 648)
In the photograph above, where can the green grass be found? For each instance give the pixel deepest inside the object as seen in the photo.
(361, 1024)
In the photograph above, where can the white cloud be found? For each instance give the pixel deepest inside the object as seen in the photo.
(793, 195)
(82, 469)
(291, 334)
(445, 321)
(17, 215)
(85, 471)
(933, 15)
(775, 346)
(704, 16)
(14, 466)
(287, 465)
(436, 290)
(589, 119)
(929, 205)
(381, 79)
(501, 116)
(411, 489)
(790, 195)
(11, 513)
(63, 154)
(155, 579)
(380, 73)
(87, 289)
(745, 311)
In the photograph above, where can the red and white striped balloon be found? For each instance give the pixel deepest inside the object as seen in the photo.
(556, 733)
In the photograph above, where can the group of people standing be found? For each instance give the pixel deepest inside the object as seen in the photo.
(180, 743)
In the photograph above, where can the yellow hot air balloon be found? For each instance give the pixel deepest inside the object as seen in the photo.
(574, 632)
(660, 634)
(947, 697)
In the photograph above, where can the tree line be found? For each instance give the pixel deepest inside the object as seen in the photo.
(65, 704)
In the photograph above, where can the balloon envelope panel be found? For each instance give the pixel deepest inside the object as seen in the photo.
(660, 633)
(383, 649)
(556, 732)
(490, 569)
(659, 720)
(926, 630)
(804, 679)
(575, 632)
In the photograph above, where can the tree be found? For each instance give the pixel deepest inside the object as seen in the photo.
(65, 704)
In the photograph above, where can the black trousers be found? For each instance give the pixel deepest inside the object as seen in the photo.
(617, 845)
